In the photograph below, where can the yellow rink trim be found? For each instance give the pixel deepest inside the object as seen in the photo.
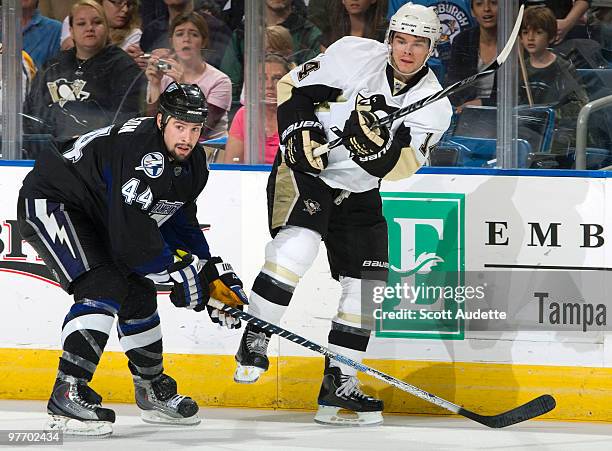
(293, 383)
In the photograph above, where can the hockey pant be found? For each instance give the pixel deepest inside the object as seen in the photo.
(71, 247)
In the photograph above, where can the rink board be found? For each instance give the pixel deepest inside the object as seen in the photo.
(481, 370)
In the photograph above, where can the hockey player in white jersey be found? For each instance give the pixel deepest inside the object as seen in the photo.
(335, 197)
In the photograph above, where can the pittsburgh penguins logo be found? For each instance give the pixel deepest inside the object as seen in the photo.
(63, 91)
(374, 104)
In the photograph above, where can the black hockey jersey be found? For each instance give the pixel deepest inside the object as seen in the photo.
(72, 97)
(143, 204)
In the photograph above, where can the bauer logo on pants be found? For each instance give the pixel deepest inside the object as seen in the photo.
(426, 261)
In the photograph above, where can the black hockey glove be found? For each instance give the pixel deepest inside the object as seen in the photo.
(362, 139)
(300, 140)
(381, 162)
(189, 289)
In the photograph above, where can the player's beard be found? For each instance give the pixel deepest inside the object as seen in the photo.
(174, 153)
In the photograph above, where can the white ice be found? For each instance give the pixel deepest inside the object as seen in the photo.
(250, 429)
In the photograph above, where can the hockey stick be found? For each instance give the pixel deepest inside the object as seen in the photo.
(450, 90)
(532, 409)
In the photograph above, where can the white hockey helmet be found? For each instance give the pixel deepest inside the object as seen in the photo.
(417, 20)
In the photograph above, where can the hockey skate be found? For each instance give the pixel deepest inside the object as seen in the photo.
(342, 392)
(251, 356)
(75, 409)
(160, 403)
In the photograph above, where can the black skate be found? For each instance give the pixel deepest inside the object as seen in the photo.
(251, 356)
(339, 391)
(160, 403)
(75, 409)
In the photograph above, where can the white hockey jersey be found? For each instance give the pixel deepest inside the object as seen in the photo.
(358, 67)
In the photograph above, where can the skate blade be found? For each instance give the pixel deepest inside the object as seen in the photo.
(336, 416)
(247, 374)
(76, 428)
(157, 417)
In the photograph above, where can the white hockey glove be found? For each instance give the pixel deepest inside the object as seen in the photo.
(300, 140)
(223, 319)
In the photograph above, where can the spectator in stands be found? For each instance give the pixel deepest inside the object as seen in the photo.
(552, 79)
(473, 50)
(276, 67)
(123, 19)
(278, 40)
(89, 86)
(28, 71)
(186, 65)
(55, 9)
(363, 18)
(601, 20)
(155, 35)
(41, 35)
(569, 15)
(306, 40)
(220, 34)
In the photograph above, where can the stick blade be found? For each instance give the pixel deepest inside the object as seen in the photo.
(534, 408)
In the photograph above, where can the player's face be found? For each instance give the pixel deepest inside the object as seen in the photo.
(409, 52)
(485, 13)
(274, 72)
(535, 42)
(180, 137)
(88, 30)
(187, 41)
(354, 7)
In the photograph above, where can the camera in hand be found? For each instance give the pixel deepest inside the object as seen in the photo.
(163, 66)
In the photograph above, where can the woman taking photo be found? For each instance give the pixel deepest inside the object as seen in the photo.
(185, 64)
(89, 86)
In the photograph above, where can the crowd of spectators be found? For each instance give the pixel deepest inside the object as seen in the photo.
(90, 63)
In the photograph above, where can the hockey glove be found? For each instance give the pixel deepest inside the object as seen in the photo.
(300, 140)
(381, 163)
(223, 319)
(362, 139)
(224, 284)
(189, 289)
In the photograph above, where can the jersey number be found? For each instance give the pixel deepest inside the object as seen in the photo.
(307, 68)
(130, 194)
(75, 153)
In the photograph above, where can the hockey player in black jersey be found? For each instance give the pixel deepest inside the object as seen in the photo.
(111, 215)
(335, 197)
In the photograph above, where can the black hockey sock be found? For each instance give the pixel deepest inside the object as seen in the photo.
(269, 299)
(84, 335)
(349, 341)
(141, 340)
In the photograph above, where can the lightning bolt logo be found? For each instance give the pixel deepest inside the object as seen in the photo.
(56, 232)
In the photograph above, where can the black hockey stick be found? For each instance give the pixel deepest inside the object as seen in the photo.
(532, 409)
(450, 90)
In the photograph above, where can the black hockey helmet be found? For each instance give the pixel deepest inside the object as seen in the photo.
(182, 101)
